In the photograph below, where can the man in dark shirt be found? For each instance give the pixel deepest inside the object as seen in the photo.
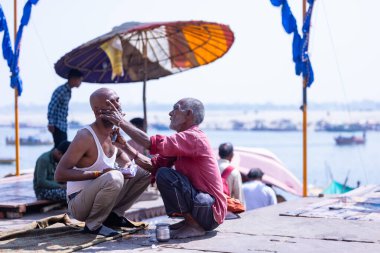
(43, 182)
(59, 106)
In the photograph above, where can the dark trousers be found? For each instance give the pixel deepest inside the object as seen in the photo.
(59, 136)
(57, 194)
(180, 196)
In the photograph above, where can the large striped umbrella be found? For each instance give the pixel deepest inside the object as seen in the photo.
(135, 52)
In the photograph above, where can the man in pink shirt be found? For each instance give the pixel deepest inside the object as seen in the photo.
(193, 190)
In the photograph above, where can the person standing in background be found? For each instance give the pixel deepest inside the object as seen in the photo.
(59, 106)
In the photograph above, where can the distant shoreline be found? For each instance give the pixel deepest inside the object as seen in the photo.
(244, 120)
(364, 105)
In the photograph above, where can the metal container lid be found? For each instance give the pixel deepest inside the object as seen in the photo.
(162, 224)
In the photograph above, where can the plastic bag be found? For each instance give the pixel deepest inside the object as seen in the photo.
(130, 170)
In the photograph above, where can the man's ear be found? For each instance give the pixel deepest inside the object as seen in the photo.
(95, 109)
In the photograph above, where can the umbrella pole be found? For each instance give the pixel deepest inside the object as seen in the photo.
(17, 139)
(144, 104)
(145, 79)
(304, 118)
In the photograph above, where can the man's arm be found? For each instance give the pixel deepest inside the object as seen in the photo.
(122, 159)
(116, 117)
(77, 149)
(149, 164)
(141, 160)
(136, 134)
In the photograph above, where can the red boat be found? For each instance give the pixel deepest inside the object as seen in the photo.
(352, 140)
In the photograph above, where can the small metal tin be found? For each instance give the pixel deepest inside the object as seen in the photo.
(162, 232)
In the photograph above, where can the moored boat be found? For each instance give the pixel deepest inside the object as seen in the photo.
(350, 140)
(28, 141)
(7, 160)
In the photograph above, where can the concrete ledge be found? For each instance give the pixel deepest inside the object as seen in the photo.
(142, 210)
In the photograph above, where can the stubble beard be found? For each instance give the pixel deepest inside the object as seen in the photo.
(107, 123)
(172, 125)
(176, 126)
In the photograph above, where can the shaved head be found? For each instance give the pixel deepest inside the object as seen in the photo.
(98, 100)
(100, 96)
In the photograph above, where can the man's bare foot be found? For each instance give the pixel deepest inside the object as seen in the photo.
(177, 225)
(187, 231)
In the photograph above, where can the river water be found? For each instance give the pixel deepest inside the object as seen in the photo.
(359, 163)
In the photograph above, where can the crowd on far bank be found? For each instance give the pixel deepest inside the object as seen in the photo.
(100, 174)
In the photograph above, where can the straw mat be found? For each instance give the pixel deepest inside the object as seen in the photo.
(57, 233)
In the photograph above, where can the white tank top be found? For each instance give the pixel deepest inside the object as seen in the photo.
(102, 162)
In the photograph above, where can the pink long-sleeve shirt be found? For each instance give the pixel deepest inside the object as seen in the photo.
(191, 154)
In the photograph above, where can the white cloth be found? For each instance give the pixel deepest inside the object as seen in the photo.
(257, 195)
(234, 180)
(102, 162)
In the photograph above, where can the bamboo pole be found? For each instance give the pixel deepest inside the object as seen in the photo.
(304, 117)
(145, 56)
(16, 125)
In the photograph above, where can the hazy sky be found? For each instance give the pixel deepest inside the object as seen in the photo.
(258, 69)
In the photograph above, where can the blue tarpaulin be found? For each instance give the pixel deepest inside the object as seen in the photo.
(337, 188)
(300, 45)
(12, 56)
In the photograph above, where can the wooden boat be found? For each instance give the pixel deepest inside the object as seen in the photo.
(28, 141)
(7, 160)
(351, 140)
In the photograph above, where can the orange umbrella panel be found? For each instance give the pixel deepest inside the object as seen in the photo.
(196, 45)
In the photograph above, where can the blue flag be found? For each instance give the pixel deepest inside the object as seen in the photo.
(12, 56)
(300, 45)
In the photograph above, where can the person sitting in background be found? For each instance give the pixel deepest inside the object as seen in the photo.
(257, 194)
(43, 182)
(234, 181)
(138, 123)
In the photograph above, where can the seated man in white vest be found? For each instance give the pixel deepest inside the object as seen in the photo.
(97, 193)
